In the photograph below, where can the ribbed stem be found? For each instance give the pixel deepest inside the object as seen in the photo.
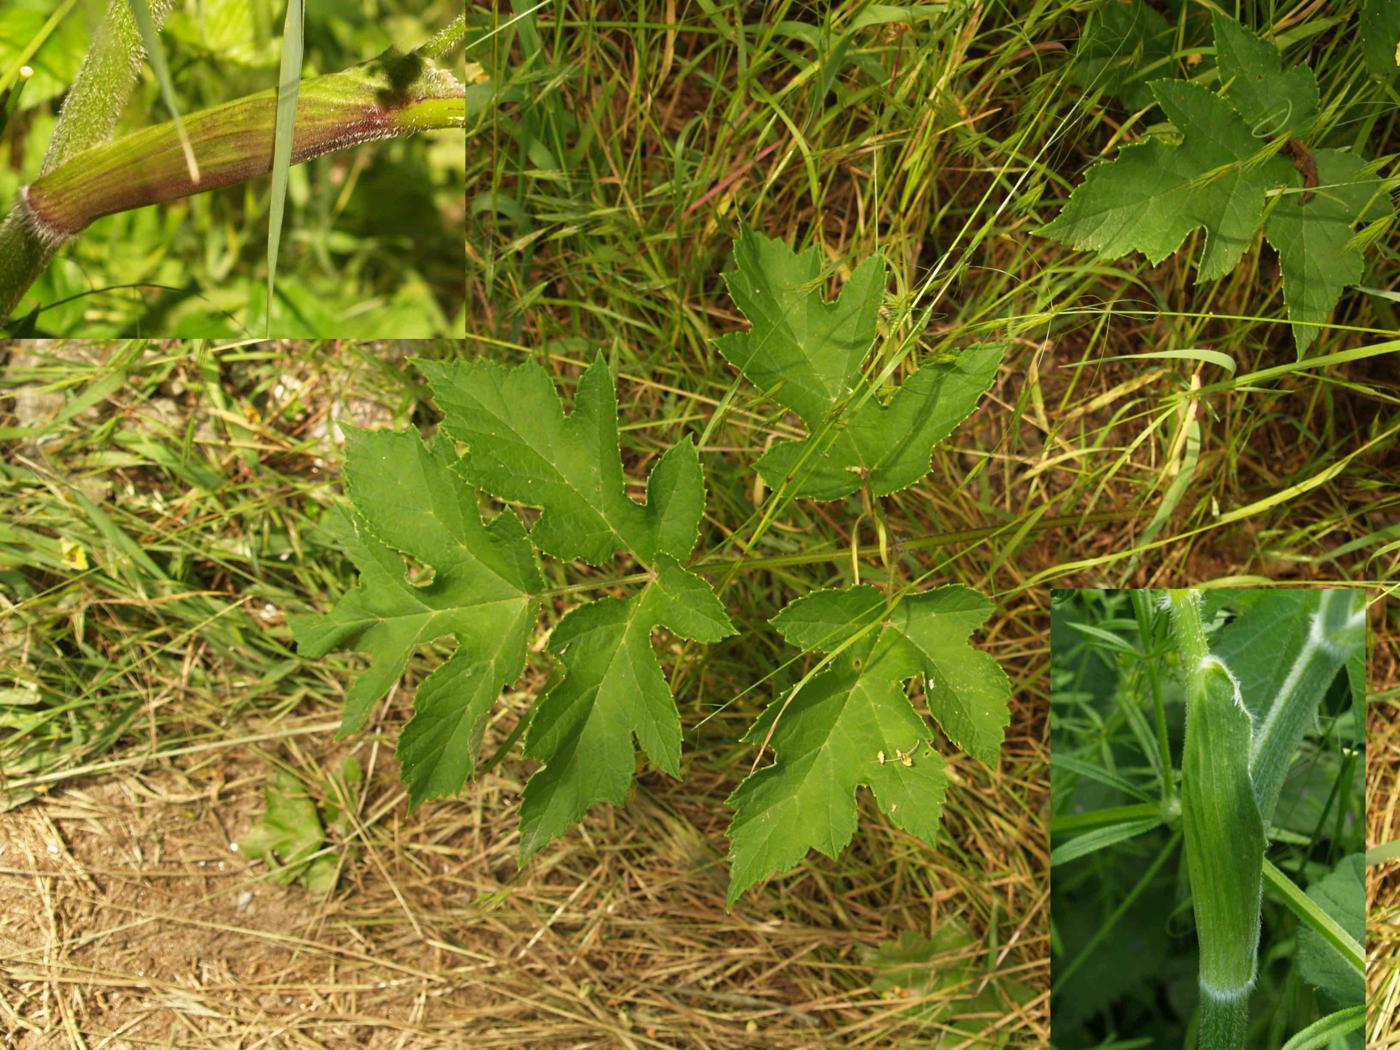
(1224, 831)
(1224, 1023)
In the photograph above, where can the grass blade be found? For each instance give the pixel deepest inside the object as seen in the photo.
(9, 97)
(1093, 841)
(150, 37)
(1334, 1026)
(288, 87)
(1303, 906)
(1383, 854)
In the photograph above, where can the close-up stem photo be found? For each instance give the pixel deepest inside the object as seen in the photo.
(231, 168)
(1208, 827)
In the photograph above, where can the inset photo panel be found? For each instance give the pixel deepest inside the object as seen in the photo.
(1208, 831)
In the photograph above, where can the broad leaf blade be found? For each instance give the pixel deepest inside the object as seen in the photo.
(801, 351)
(853, 724)
(1313, 239)
(483, 594)
(807, 354)
(842, 730)
(1272, 101)
(968, 692)
(1155, 193)
(611, 691)
(522, 447)
(1341, 894)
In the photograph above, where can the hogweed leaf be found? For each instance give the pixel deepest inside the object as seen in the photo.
(522, 447)
(1218, 177)
(807, 354)
(801, 351)
(853, 724)
(1312, 233)
(483, 593)
(1154, 193)
(610, 688)
(1272, 101)
(1341, 895)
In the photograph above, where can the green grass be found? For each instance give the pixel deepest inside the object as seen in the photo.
(604, 187)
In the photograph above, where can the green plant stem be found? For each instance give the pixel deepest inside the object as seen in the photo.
(1224, 831)
(95, 102)
(1224, 1022)
(394, 95)
(447, 40)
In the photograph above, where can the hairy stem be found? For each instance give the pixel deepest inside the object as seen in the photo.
(396, 94)
(1224, 1022)
(95, 102)
(1223, 828)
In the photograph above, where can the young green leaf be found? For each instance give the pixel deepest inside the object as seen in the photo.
(1155, 193)
(1271, 100)
(852, 724)
(292, 834)
(807, 354)
(522, 447)
(612, 688)
(1312, 233)
(289, 834)
(1341, 894)
(483, 593)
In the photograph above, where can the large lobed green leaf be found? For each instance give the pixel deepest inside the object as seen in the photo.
(419, 501)
(483, 594)
(807, 355)
(1272, 100)
(1155, 193)
(853, 724)
(1221, 173)
(1314, 239)
(522, 447)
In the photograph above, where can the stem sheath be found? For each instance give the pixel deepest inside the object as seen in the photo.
(1224, 831)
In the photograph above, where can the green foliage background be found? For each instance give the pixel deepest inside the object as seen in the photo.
(372, 245)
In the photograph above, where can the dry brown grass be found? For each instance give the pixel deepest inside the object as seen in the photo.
(127, 920)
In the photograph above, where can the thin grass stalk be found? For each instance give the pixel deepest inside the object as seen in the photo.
(1224, 832)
